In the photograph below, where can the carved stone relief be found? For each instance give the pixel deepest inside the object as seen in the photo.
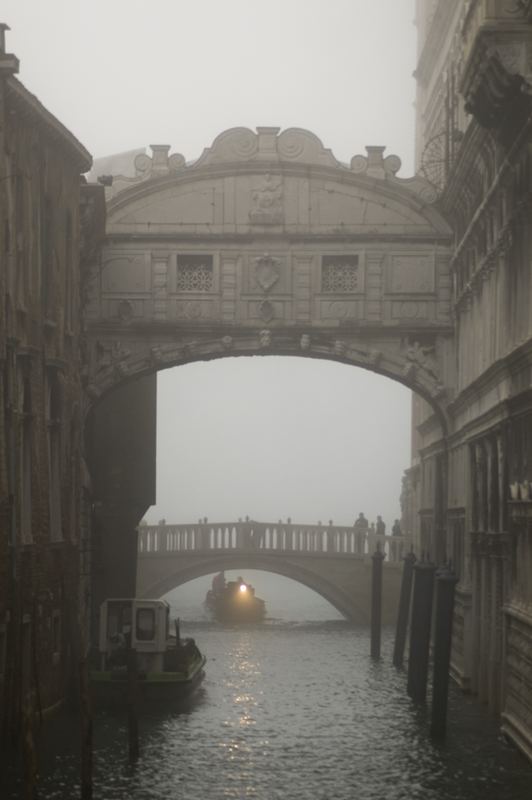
(196, 310)
(267, 201)
(267, 271)
(409, 310)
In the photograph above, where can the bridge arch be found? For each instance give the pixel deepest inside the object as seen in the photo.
(266, 245)
(353, 605)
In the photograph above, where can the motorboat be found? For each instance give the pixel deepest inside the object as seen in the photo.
(234, 602)
(138, 655)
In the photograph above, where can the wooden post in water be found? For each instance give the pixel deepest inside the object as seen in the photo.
(376, 602)
(404, 609)
(86, 729)
(446, 581)
(418, 662)
(132, 700)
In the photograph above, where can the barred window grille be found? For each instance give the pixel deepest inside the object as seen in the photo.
(339, 274)
(194, 273)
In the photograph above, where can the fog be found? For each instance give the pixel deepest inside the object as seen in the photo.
(272, 438)
(265, 437)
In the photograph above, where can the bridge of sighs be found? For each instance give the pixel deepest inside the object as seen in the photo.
(265, 245)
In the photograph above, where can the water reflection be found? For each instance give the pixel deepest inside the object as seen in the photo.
(298, 713)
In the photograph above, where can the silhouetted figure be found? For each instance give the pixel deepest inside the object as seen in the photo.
(380, 527)
(396, 529)
(361, 524)
(218, 582)
(361, 527)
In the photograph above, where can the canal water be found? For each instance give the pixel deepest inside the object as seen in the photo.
(292, 711)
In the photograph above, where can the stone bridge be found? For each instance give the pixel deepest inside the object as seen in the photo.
(332, 560)
(265, 245)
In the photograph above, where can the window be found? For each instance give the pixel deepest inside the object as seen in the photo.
(194, 273)
(145, 627)
(339, 274)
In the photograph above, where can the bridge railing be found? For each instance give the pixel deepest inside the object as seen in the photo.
(275, 537)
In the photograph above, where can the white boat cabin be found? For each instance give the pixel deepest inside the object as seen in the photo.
(142, 625)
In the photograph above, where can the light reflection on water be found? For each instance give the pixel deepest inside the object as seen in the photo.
(298, 713)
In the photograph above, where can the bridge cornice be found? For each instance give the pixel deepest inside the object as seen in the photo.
(294, 152)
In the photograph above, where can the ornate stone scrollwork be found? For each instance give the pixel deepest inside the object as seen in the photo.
(227, 342)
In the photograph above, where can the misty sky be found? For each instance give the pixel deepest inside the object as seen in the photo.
(265, 437)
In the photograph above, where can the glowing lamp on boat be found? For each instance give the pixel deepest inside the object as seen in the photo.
(243, 588)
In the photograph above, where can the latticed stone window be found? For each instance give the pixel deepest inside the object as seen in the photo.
(339, 274)
(194, 273)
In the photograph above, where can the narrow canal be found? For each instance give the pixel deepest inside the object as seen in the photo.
(295, 711)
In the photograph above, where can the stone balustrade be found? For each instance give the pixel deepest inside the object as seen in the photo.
(273, 537)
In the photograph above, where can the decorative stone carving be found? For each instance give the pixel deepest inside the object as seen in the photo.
(160, 163)
(189, 310)
(422, 356)
(266, 311)
(374, 356)
(156, 355)
(265, 338)
(227, 342)
(267, 271)
(110, 353)
(125, 310)
(267, 202)
(340, 348)
(304, 342)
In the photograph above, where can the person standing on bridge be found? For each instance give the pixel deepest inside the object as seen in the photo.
(361, 527)
(380, 527)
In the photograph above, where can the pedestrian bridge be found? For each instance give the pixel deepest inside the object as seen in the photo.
(334, 561)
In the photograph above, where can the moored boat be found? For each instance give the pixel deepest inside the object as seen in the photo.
(234, 602)
(167, 668)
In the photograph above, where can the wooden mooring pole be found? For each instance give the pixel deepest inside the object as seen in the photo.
(446, 582)
(376, 602)
(404, 610)
(132, 710)
(418, 661)
(86, 729)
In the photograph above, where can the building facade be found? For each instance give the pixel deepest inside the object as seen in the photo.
(41, 411)
(474, 144)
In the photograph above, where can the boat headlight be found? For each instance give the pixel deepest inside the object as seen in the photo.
(243, 588)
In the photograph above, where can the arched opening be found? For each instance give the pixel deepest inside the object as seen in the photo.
(286, 600)
(228, 448)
